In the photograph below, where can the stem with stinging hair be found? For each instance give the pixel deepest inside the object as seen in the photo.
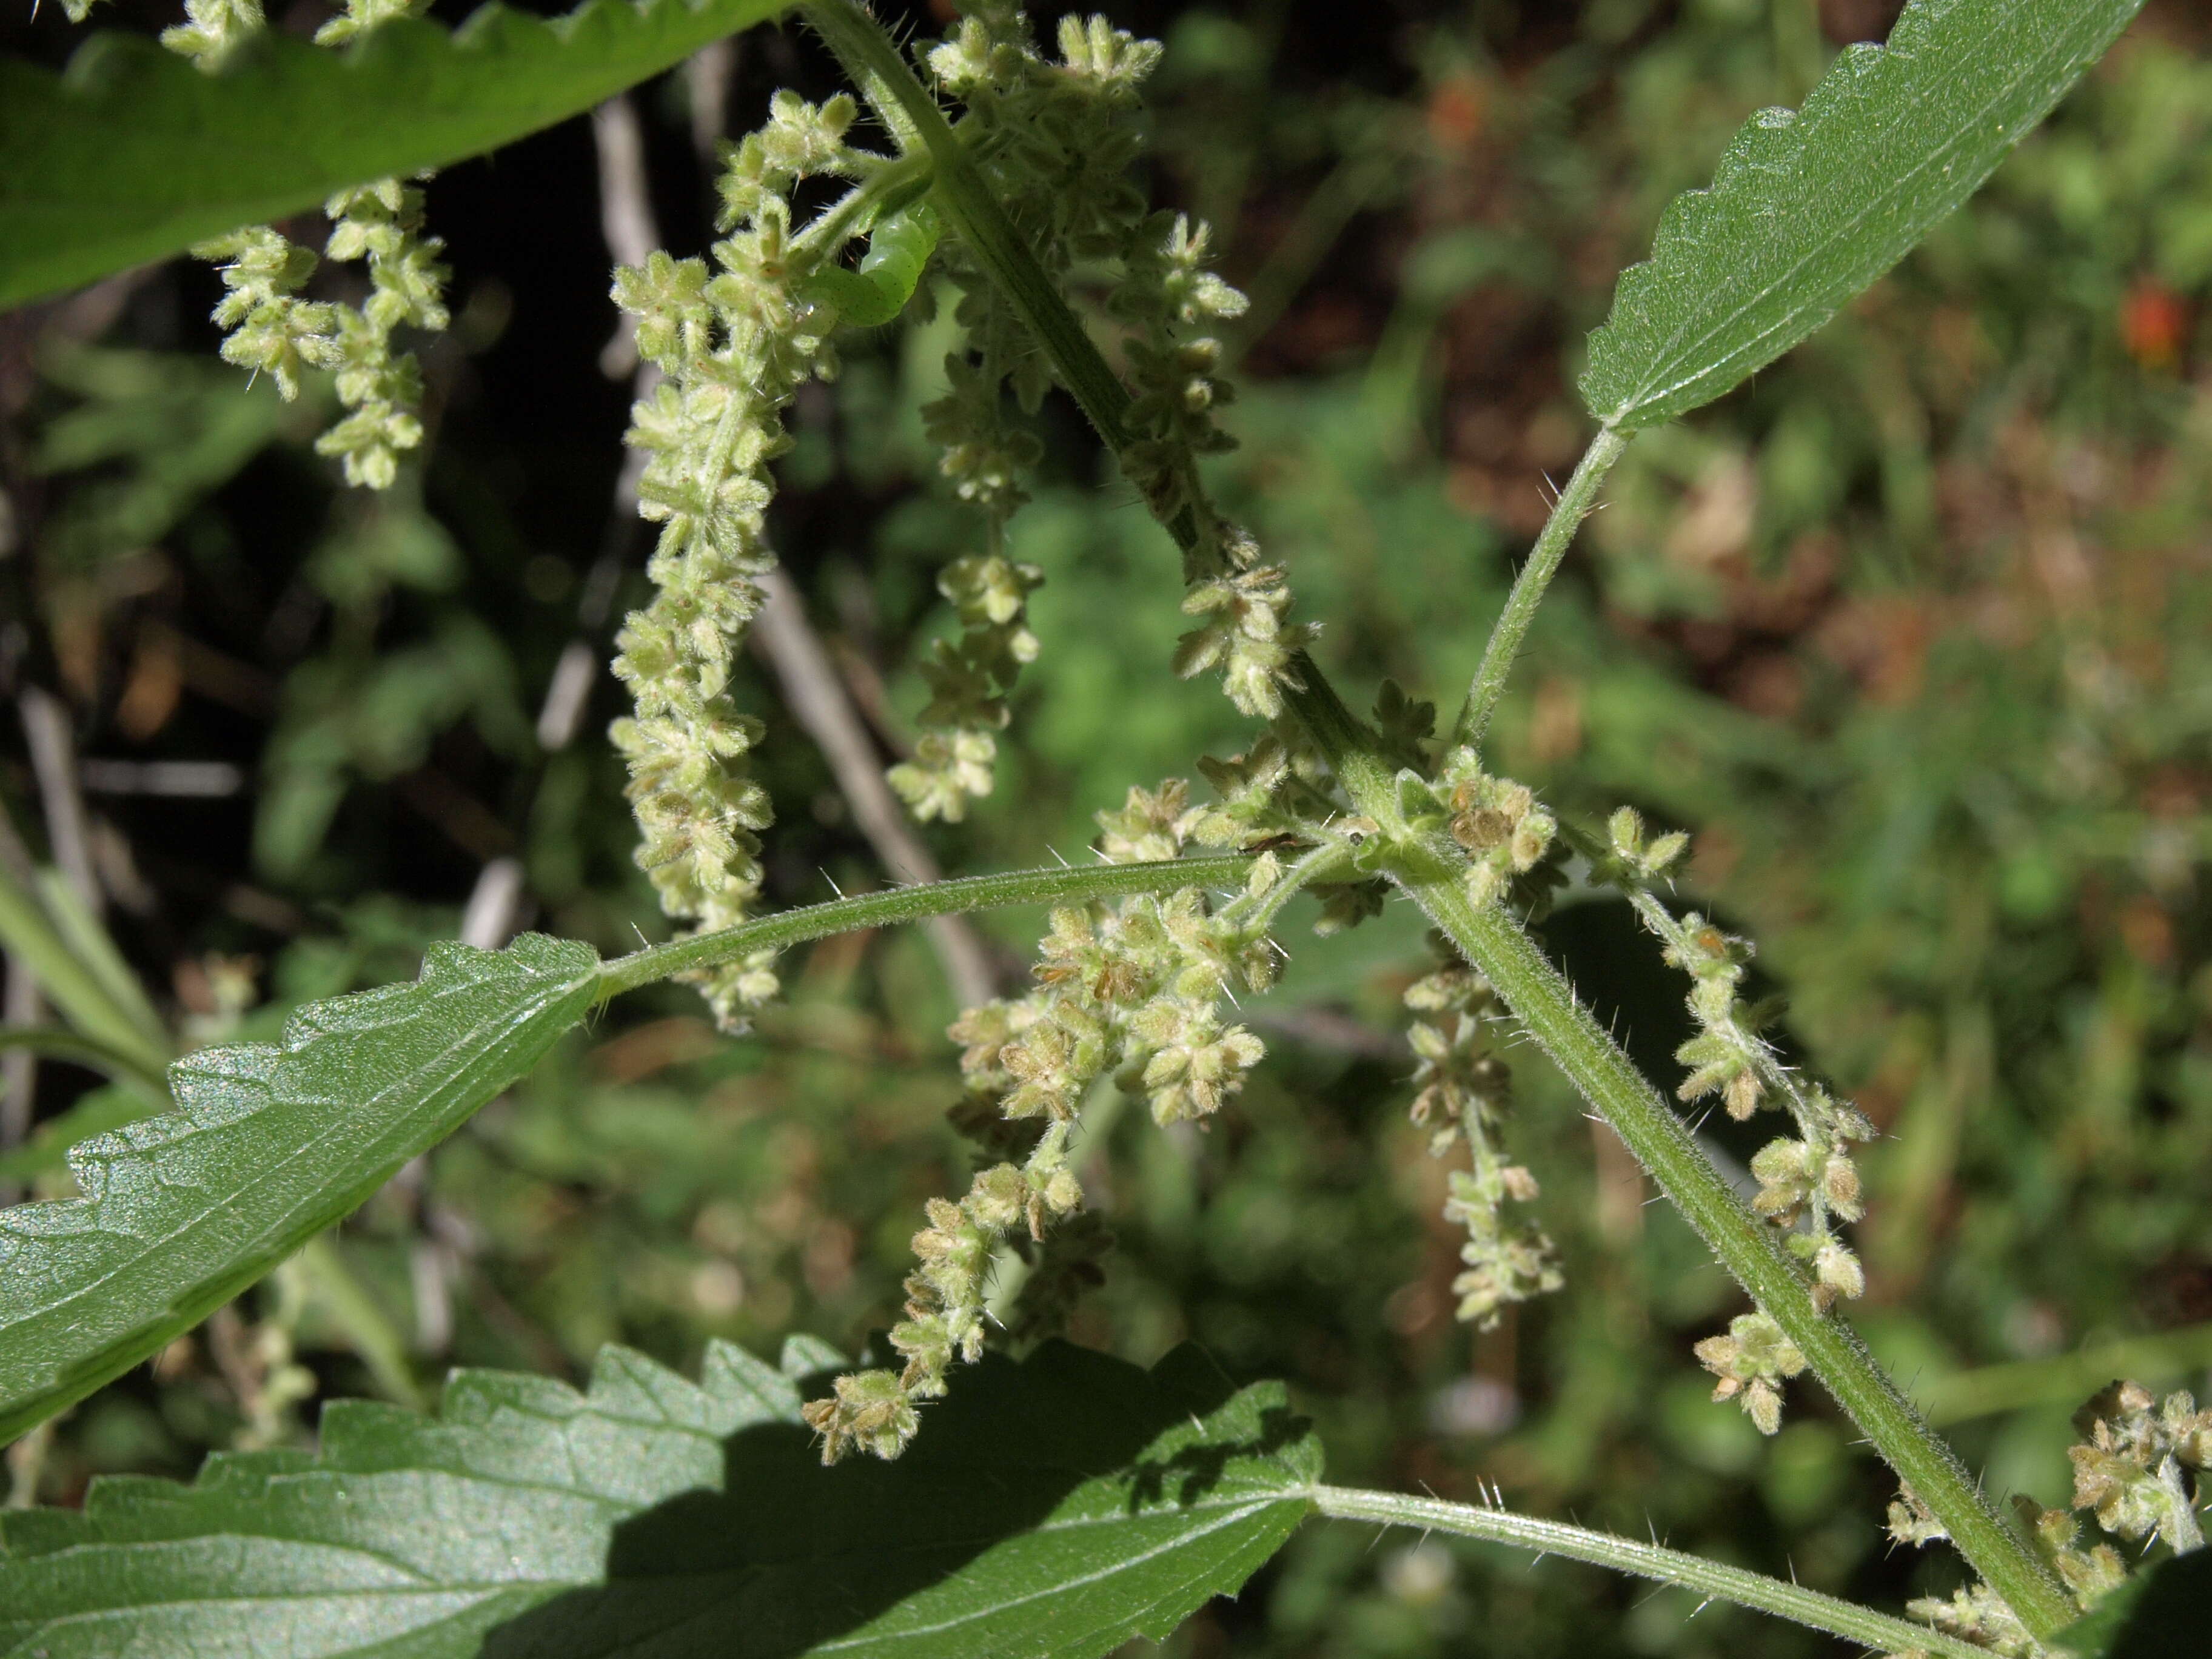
(1711, 1579)
(937, 898)
(1568, 511)
(1546, 1006)
(1491, 940)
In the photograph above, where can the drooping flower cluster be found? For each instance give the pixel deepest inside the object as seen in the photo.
(1751, 1362)
(383, 388)
(1130, 991)
(733, 344)
(273, 330)
(1054, 140)
(968, 679)
(269, 329)
(1463, 1092)
(1809, 1183)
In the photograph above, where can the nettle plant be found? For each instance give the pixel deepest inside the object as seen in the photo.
(976, 1503)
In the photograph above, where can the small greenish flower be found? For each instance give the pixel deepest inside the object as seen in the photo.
(1911, 1520)
(1244, 634)
(1194, 1063)
(269, 329)
(212, 29)
(1463, 1092)
(1497, 822)
(2137, 1462)
(1151, 825)
(2089, 1573)
(362, 15)
(868, 1411)
(1751, 1362)
(1978, 1614)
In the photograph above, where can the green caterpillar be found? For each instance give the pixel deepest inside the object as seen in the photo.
(878, 291)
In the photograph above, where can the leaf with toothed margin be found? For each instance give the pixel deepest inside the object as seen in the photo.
(133, 154)
(1057, 1507)
(1807, 209)
(270, 1143)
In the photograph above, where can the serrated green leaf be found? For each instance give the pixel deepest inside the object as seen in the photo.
(1056, 1507)
(1806, 210)
(2158, 1614)
(133, 154)
(270, 1143)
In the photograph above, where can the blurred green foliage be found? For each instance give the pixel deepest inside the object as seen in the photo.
(1914, 634)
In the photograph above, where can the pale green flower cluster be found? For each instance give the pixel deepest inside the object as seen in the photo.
(1130, 991)
(1463, 1091)
(271, 330)
(211, 31)
(1809, 1183)
(383, 388)
(2138, 1473)
(2140, 1465)
(1751, 1362)
(732, 342)
(1978, 1615)
(968, 679)
(1498, 822)
(1055, 139)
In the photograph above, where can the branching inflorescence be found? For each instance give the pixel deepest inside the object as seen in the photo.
(732, 344)
(1807, 1184)
(271, 328)
(1054, 141)
(1130, 992)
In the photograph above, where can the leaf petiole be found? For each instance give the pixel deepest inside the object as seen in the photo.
(937, 898)
(1711, 1579)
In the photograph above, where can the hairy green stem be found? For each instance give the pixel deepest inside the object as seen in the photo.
(900, 904)
(1323, 864)
(1546, 1006)
(1568, 512)
(1492, 942)
(838, 222)
(1709, 1579)
(973, 213)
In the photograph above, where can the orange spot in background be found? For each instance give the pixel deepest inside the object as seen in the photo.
(2154, 324)
(1456, 113)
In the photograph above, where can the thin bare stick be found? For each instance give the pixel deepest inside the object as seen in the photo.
(24, 1006)
(53, 759)
(818, 700)
(707, 73)
(625, 214)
